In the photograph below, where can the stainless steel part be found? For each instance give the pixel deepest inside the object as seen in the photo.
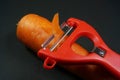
(45, 44)
(58, 42)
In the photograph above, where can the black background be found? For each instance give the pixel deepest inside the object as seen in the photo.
(18, 63)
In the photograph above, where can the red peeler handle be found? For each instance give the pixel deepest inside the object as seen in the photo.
(111, 60)
(64, 53)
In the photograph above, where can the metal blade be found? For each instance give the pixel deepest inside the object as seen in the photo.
(58, 42)
(45, 44)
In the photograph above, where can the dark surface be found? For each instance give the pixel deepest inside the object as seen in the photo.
(18, 63)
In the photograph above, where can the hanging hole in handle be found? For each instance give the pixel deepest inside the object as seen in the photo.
(82, 46)
(49, 63)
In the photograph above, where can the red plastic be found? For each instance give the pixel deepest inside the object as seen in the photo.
(64, 54)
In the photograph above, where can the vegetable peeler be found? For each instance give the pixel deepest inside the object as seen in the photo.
(101, 53)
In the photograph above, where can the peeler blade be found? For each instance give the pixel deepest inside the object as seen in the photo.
(61, 39)
(45, 44)
(66, 32)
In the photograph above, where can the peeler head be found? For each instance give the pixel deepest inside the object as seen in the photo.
(61, 51)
